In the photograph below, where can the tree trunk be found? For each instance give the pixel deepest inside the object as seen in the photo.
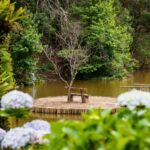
(70, 97)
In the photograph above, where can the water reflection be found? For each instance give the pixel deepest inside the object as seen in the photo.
(4, 123)
(48, 117)
(95, 87)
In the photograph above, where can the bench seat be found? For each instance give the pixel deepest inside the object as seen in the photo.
(79, 94)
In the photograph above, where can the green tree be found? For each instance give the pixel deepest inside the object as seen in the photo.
(41, 11)
(108, 36)
(71, 56)
(140, 10)
(25, 47)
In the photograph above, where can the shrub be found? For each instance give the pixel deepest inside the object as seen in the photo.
(100, 130)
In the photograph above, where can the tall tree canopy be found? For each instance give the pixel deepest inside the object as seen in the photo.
(107, 34)
(115, 33)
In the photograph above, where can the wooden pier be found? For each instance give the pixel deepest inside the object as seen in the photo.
(59, 105)
(138, 86)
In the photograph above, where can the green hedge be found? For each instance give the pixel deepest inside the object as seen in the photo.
(100, 130)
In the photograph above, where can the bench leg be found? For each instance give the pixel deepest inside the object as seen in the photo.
(70, 98)
(85, 99)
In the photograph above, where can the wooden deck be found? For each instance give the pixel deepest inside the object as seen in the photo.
(59, 105)
(138, 86)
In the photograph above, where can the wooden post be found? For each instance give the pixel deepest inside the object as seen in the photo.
(85, 98)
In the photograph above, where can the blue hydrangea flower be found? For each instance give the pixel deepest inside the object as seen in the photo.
(39, 125)
(2, 134)
(16, 99)
(37, 138)
(134, 98)
(20, 137)
(17, 138)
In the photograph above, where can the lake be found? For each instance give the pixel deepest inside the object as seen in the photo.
(96, 87)
(111, 88)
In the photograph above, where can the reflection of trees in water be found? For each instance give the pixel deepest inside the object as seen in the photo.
(4, 123)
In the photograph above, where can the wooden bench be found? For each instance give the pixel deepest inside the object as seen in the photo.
(75, 91)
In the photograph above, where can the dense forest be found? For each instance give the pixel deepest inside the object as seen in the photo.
(38, 35)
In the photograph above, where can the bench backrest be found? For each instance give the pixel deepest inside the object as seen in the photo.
(78, 89)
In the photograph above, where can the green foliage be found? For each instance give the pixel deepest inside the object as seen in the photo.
(16, 112)
(41, 17)
(45, 67)
(102, 130)
(140, 10)
(4, 84)
(143, 46)
(9, 16)
(74, 55)
(5, 62)
(4, 123)
(28, 4)
(25, 49)
(109, 32)
(44, 26)
(108, 36)
(73, 58)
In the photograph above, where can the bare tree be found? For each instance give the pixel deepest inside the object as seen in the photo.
(72, 54)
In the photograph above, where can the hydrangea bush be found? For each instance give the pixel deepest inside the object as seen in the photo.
(16, 103)
(29, 134)
(17, 138)
(134, 99)
(16, 99)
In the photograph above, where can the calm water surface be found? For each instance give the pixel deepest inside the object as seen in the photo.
(95, 87)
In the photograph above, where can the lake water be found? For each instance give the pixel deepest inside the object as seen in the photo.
(95, 87)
